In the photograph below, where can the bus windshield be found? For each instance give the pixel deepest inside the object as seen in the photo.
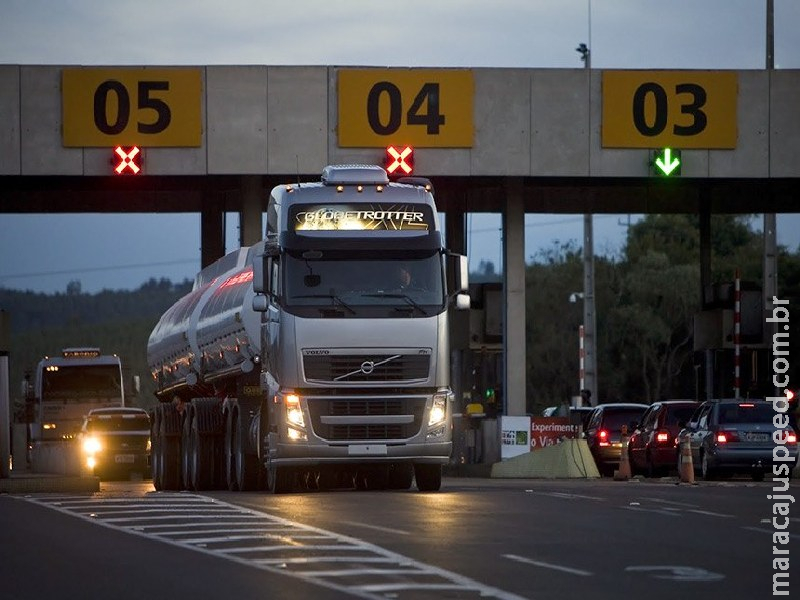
(66, 381)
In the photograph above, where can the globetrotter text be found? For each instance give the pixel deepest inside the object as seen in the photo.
(782, 459)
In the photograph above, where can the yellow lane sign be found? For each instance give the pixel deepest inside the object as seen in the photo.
(676, 109)
(142, 107)
(414, 107)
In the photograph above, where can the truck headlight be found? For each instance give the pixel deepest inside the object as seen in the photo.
(294, 413)
(92, 445)
(438, 410)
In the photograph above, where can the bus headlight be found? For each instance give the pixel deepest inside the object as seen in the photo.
(92, 445)
(438, 410)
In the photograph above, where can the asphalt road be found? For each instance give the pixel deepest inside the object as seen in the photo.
(537, 539)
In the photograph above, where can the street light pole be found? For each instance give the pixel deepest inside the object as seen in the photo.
(589, 319)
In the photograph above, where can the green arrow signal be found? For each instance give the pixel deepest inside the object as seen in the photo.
(667, 163)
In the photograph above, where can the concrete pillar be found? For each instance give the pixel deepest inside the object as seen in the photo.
(253, 206)
(212, 229)
(514, 293)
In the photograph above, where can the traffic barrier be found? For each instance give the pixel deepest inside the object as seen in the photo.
(624, 471)
(686, 466)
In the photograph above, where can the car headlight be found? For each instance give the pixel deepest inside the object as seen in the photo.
(92, 445)
(438, 411)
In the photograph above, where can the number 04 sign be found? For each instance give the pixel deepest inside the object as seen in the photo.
(143, 107)
(414, 107)
(669, 109)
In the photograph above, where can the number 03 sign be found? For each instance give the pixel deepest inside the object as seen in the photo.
(677, 109)
(143, 107)
(415, 107)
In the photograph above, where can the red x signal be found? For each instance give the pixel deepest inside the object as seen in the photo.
(127, 160)
(399, 162)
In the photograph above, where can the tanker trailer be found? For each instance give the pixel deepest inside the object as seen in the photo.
(319, 356)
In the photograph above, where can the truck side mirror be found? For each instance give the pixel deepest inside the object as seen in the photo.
(260, 272)
(457, 273)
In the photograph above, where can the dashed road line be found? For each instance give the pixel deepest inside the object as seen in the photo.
(546, 565)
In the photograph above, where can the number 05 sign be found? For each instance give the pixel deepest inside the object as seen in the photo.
(676, 109)
(143, 107)
(415, 107)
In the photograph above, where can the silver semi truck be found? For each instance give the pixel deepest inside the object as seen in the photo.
(318, 357)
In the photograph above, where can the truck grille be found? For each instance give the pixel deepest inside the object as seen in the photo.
(366, 368)
(406, 409)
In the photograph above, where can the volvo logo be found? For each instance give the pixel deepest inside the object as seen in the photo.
(367, 367)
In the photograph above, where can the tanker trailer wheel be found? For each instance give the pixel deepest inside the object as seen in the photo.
(155, 447)
(187, 452)
(245, 466)
(170, 451)
(429, 477)
(228, 458)
(202, 431)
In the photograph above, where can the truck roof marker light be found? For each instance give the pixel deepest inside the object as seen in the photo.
(360, 188)
(379, 188)
(340, 188)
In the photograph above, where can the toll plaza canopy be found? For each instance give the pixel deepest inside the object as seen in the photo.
(573, 140)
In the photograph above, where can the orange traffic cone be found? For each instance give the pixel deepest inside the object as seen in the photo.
(624, 471)
(686, 466)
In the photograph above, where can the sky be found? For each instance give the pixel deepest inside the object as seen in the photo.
(111, 252)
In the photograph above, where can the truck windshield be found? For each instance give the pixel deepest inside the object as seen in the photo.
(359, 282)
(101, 380)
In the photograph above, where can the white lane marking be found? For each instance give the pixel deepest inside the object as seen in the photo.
(658, 511)
(341, 549)
(710, 513)
(376, 527)
(677, 572)
(662, 501)
(545, 565)
(762, 530)
(565, 495)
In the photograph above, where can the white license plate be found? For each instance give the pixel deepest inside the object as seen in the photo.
(367, 450)
(124, 458)
(756, 437)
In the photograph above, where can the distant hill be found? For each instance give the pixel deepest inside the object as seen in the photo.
(118, 322)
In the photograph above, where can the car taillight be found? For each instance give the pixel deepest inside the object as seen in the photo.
(723, 437)
(791, 437)
(662, 437)
(602, 435)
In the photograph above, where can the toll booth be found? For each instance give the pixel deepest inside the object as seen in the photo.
(480, 399)
(715, 344)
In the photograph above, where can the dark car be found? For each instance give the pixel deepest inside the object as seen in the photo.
(604, 430)
(116, 442)
(735, 436)
(653, 444)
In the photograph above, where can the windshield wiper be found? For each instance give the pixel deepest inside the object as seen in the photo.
(334, 297)
(403, 296)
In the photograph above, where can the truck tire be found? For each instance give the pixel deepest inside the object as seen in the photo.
(429, 477)
(187, 451)
(280, 480)
(170, 451)
(155, 445)
(203, 436)
(245, 466)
